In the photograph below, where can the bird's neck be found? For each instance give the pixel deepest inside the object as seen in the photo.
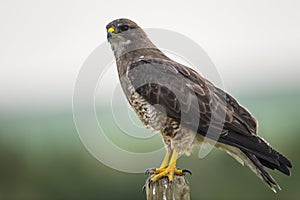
(133, 50)
(129, 45)
(125, 60)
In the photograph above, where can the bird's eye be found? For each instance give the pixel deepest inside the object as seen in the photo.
(123, 28)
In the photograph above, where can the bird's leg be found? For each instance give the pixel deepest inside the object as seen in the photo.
(163, 165)
(165, 162)
(168, 171)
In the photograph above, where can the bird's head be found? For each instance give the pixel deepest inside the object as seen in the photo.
(125, 35)
(119, 28)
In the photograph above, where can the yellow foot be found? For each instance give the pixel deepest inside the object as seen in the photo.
(166, 170)
(160, 170)
(169, 172)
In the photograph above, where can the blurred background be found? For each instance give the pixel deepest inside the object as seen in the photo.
(255, 46)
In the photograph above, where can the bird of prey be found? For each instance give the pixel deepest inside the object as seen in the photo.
(178, 102)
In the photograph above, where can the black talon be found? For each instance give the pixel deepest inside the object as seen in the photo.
(149, 183)
(144, 188)
(186, 170)
(147, 171)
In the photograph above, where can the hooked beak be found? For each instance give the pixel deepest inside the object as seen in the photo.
(110, 32)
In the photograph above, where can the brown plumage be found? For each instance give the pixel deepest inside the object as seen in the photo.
(188, 103)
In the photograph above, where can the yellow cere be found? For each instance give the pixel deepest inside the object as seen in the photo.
(111, 30)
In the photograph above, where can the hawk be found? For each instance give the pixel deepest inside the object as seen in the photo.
(183, 106)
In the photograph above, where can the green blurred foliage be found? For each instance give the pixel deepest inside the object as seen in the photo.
(42, 158)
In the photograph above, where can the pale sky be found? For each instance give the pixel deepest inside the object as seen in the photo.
(254, 44)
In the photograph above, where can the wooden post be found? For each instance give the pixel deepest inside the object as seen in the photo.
(162, 189)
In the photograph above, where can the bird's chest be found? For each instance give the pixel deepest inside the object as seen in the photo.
(173, 136)
(147, 113)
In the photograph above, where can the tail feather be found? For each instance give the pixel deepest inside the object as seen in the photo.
(257, 167)
(257, 154)
(255, 145)
(282, 167)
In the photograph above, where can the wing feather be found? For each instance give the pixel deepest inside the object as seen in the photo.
(173, 86)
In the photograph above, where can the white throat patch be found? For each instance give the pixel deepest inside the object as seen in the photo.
(126, 42)
(119, 47)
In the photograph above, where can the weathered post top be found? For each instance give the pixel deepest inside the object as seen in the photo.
(162, 189)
